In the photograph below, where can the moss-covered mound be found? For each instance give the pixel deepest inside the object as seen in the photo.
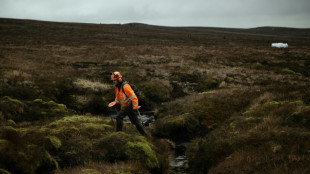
(17, 110)
(39, 109)
(20, 154)
(122, 146)
(72, 141)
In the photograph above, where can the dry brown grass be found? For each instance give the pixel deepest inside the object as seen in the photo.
(94, 86)
(225, 84)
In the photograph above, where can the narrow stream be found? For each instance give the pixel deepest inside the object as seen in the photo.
(180, 163)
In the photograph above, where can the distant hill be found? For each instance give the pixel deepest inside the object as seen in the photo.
(224, 100)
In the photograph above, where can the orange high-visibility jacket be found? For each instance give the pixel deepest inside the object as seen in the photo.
(126, 100)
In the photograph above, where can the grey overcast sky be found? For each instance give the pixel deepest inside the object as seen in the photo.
(209, 13)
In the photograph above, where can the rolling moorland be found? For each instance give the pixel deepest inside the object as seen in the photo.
(240, 105)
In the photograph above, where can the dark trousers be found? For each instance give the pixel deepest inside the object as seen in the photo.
(133, 119)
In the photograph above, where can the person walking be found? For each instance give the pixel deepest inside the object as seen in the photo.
(126, 97)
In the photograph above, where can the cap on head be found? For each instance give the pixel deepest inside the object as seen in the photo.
(116, 76)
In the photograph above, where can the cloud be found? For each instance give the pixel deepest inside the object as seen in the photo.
(223, 13)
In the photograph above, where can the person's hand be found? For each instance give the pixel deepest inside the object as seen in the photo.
(136, 107)
(112, 104)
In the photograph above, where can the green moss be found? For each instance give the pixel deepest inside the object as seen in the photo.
(125, 68)
(11, 109)
(248, 112)
(156, 91)
(91, 127)
(175, 124)
(44, 130)
(90, 171)
(298, 102)
(93, 130)
(3, 142)
(55, 142)
(96, 127)
(39, 109)
(38, 101)
(298, 74)
(122, 146)
(123, 172)
(11, 100)
(82, 119)
(118, 134)
(207, 92)
(10, 129)
(272, 103)
(232, 125)
(230, 79)
(79, 120)
(62, 106)
(65, 131)
(11, 122)
(287, 71)
(71, 153)
(52, 103)
(2, 171)
(252, 120)
(142, 152)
